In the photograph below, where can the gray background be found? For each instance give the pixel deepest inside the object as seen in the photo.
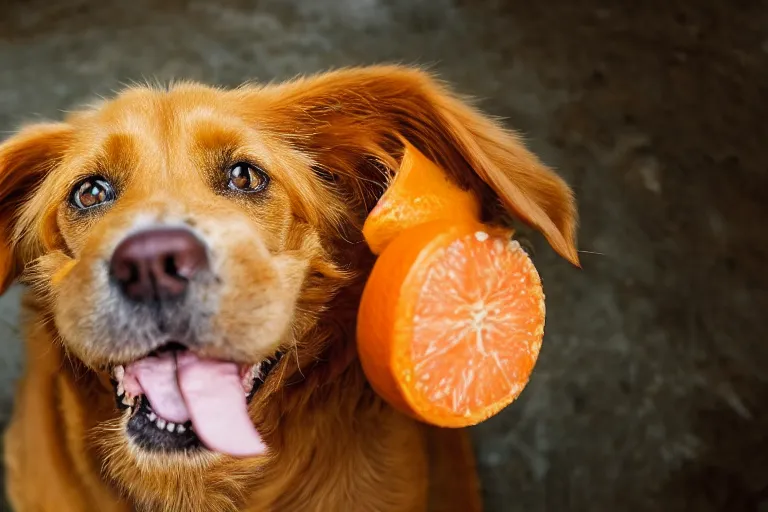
(651, 388)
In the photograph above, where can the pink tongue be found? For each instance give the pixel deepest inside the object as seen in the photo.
(156, 378)
(207, 391)
(216, 402)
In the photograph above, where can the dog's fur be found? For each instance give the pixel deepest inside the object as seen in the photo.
(289, 265)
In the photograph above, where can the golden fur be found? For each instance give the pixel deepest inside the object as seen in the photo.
(290, 267)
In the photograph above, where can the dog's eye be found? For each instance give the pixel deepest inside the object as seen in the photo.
(247, 178)
(92, 192)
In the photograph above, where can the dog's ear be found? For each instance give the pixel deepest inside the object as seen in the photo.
(352, 122)
(25, 159)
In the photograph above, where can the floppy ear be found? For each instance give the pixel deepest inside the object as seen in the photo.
(25, 159)
(353, 121)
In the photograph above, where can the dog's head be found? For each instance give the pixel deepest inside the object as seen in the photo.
(182, 241)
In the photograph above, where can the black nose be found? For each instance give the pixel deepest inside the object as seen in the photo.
(157, 265)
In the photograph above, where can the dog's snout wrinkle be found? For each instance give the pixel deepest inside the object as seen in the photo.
(157, 265)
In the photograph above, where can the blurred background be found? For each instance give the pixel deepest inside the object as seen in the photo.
(650, 392)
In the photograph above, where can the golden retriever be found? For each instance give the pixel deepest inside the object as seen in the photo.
(194, 263)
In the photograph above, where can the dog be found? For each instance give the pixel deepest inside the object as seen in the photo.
(194, 260)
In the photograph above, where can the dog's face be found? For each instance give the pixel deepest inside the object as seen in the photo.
(216, 228)
(177, 219)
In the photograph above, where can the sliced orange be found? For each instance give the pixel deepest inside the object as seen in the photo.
(420, 192)
(451, 322)
(452, 317)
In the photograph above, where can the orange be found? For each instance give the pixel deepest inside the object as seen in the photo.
(451, 319)
(420, 192)
(451, 322)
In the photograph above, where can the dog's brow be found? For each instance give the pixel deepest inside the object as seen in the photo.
(210, 135)
(118, 148)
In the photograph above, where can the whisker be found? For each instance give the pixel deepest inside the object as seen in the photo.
(296, 351)
(593, 252)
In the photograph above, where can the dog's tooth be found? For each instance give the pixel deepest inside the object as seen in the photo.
(160, 423)
(118, 372)
(120, 389)
(181, 429)
(127, 401)
(152, 416)
(170, 427)
(262, 369)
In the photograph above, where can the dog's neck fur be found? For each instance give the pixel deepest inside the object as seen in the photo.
(310, 463)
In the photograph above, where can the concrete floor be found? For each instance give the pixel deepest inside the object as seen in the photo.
(651, 388)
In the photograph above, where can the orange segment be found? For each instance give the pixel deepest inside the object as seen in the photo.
(451, 322)
(420, 192)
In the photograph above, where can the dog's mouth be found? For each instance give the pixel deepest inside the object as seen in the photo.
(179, 401)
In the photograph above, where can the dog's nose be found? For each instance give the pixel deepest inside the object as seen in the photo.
(157, 265)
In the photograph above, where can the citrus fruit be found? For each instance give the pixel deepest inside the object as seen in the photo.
(420, 192)
(451, 322)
